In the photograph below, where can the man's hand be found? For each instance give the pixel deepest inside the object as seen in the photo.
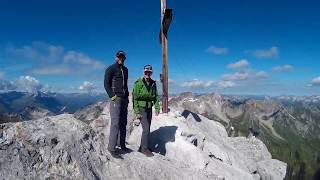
(138, 116)
(137, 119)
(136, 122)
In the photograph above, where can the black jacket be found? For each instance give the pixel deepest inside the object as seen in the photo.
(116, 80)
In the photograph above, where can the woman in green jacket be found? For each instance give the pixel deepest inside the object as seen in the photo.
(145, 96)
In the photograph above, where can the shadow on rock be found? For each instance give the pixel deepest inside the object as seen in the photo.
(186, 113)
(11, 118)
(160, 137)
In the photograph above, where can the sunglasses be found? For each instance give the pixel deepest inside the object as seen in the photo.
(123, 57)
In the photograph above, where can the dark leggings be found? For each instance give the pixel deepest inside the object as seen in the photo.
(146, 123)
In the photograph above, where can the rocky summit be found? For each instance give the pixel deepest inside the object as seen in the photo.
(186, 146)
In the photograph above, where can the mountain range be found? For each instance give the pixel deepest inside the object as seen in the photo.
(186, 146)
(18, 106)
(288, 125)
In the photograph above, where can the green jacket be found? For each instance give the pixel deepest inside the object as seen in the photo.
(142, 98)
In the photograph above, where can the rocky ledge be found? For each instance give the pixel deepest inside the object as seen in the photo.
(186, 146)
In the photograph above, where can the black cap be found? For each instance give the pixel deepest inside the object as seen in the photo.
(120, 53)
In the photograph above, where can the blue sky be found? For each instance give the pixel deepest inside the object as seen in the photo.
(231, 47)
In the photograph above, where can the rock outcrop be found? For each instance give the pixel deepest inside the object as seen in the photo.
(187, 146)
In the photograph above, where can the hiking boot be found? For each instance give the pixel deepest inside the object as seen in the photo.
(146, 152)
(115, 155)
(126, 150)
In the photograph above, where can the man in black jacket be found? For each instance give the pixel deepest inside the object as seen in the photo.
(116, 85)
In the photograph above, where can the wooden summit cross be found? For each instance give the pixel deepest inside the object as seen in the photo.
(166, 18)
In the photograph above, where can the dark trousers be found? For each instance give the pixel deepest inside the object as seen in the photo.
(146, 116)
(118, 113)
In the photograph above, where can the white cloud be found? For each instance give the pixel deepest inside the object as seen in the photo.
(209, 84)
(225, 84)
(54, 70)
(76, 57)
(239, 64)
(196, 84)
(273, 52)
(171, 81)
(1, 75)
(23, 83)
(199, 84)
(235, 77)
(50, 59)
(283, 68)
(6, 85)
(29, 84)
(38, 51)
(87, 86)
(315, 81)
(46, 88)
(217, 50)
(262, 74)
(193, 84)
